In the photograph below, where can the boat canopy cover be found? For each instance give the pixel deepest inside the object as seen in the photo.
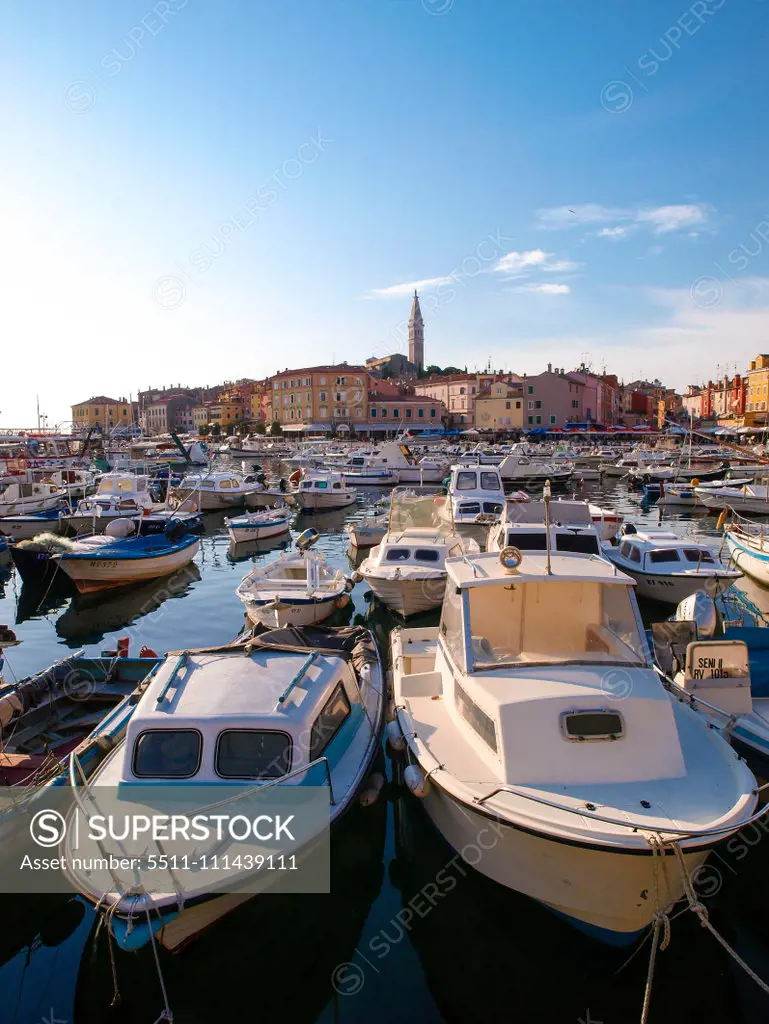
(351, 643)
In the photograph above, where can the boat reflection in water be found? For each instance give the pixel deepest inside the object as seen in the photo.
(37, 602)
(276, 954)
(42, 941)
(249, 549)
(481, 944)
(91, 616)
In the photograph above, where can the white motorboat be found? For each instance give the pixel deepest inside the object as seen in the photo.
(521, 471)
(394, 463)
(407, 569)
(211, 492)
(473, 491)
(118, 496)
(21, 497)
(669, 568)
(323, 490)
(300, 588)
(533, 718)
(523, 526)
(748, 545)
(684, 495)
(258, 525)
(750, 498)
(289, 720)
(368, 531)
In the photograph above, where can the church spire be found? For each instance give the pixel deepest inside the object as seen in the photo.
(416, 335)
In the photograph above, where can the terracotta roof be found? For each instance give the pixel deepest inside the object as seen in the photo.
(336, 368)
(102, 400)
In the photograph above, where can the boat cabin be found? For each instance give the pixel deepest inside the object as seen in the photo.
(662, 551)
(329, 482)
(208, 718)
(547, 674)
(572, 529)
(475, 490)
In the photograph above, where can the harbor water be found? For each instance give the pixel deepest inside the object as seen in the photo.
(410, 932)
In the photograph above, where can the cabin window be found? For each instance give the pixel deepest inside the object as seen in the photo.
(491, 507)
(664, 555)
(582, 726)
(336, 486)
(527, 541)
(581, 543)
(451, 626)
(167, 754)
(513, 623)
(469, 508)
(625, 549)
(635, 553)
(321, 485)
(252, 754)
(489, 482)
(466, 481)
(328, 722)
(477, 719)
(426, 555)
(696, 555)
(398, 555)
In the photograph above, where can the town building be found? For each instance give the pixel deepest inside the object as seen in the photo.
(416, 335)
(499, 406)
(757, 387)
(172, 412)
(600, 396)
(104, 413)
(458, 393)
(320, 398)
(552, 399)
(393, 409)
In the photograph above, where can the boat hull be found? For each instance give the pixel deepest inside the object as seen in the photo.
(408, 597)
(606, 894)
(674, 589)
(753, 562)
(238, 534)
(27, 527)
(309, 501)
(276, 614)
(91, 574)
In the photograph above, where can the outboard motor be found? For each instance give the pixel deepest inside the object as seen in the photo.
(175, 531)
(628, 528)
(283, 485)
(307, 538)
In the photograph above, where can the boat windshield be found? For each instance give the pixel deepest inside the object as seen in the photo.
(417, 507)
(553, 623)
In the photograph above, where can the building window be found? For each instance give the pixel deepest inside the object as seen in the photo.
(552, 421)
(384, 414)
(531, 420)
(373, 412)
(538, 404)
(420, 412)
(531, 404)
(508, 405)
(396, 413)
(531, 389)
(539, 419)
(408, 413)
(432, 413)
(518, 405)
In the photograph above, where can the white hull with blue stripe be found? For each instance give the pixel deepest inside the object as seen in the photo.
(750, 553)
(285, 710)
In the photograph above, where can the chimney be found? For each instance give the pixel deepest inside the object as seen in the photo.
(550, 368)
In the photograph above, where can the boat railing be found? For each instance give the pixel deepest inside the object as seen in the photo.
(585, 811)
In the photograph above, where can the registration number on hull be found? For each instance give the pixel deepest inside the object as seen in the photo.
(100, 564)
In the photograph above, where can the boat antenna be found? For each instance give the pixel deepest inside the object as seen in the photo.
(546, 495)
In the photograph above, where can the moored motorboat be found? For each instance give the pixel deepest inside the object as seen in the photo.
(525, 525)
(18, 497)
(407, 570)
(667, 567)
(258, 525)
(25, 527)
(288, 716)
(367, 531)
(118, 496)
(103, 561)
(323, 490)
(473, 491)
(299, 588)
(748, 545)
(560, 746)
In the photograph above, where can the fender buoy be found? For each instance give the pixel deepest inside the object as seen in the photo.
(721, 520)
(147, 652)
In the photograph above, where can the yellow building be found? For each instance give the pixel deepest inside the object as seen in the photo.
(757, 385)
(319, 397)
(499, 406)
(102, 412)
(226, 413)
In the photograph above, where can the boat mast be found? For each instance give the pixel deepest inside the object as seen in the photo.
(546, 495)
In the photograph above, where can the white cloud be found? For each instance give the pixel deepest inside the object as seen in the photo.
(546, 289)
(520, 262)
(409, 287)
(561, 266)
(660, 219)
(672, 218)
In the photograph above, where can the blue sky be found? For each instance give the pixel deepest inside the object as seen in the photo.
(194, 191)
